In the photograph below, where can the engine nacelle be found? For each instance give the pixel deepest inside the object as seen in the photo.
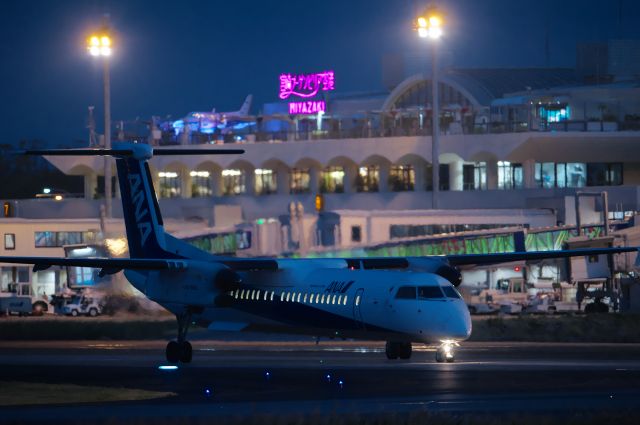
(200, 284)
(227, 280)
(452, 274)
(437, 266)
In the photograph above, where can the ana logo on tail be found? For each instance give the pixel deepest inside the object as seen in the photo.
(137, 197)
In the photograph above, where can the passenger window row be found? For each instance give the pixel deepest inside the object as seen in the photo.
(285, 296)
(426, 292)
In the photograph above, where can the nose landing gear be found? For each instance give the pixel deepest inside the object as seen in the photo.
(446, 353)
(181, 350)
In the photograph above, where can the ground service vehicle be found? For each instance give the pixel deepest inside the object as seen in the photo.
(82, 305)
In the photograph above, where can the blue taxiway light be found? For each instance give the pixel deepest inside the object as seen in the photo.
(168, 367)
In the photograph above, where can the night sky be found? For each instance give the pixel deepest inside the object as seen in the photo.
(174, 57)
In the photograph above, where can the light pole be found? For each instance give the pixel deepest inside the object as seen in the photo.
(429, 25)
(100, 45)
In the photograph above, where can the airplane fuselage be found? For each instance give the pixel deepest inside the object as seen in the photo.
(319, 301)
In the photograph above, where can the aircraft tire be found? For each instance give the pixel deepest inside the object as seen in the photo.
(404, 351)
(392, 350)
(173, 352)
(186, 352)
(440, 357)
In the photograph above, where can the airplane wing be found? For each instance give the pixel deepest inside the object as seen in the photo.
(107, 265)
(484, 259)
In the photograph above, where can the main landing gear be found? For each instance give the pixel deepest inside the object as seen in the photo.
(446, 353)
(181, 350)
(396, 350)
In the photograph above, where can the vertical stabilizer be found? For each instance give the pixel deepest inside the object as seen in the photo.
(143, 222)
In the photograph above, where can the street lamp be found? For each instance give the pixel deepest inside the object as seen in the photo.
(429, 25)
(100, 44)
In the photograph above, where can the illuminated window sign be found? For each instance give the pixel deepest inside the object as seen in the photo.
(306, 86)
(308, 107)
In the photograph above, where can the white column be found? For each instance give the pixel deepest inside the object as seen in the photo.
(350, 174)
(283, 181)
(383, 183)
(90, 184)
(185, 183)
(250, 181)
(216, 182)
(314, 187)
(492, 175)
(420, 183)
(529, 171)
(456, 180)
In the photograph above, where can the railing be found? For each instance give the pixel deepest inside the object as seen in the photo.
(364, 132)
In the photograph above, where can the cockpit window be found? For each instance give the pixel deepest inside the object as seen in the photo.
(406, 293)
(451, 292)
(429, 292)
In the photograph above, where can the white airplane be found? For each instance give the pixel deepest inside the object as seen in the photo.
(208, 122)
(398, 300)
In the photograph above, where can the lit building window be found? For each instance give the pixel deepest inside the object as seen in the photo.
(510, 175)
(169, 184)
(266, 181)
(570, 174)
(332, 180)
(402, 178)
(233, 182)
(200, 184)
(299, 181)
(555, 112)
(474, 176)
(368, 179)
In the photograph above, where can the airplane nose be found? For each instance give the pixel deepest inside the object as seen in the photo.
(460, 322)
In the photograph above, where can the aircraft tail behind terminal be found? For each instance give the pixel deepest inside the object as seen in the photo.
(244, 109)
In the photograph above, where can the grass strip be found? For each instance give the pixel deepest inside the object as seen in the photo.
(28, 393)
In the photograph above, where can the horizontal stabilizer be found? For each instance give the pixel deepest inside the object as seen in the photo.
(109, 265)
(122, 153)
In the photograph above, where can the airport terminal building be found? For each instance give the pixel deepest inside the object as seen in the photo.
(510, 139)
(350, 174)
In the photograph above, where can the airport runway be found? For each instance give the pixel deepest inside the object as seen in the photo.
(300, 377)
